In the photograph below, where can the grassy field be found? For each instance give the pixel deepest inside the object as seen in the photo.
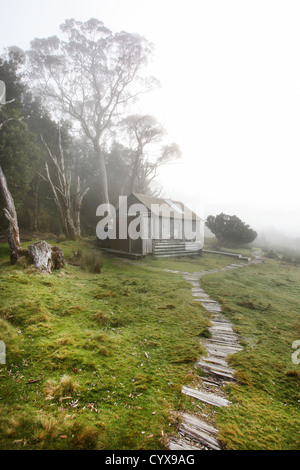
(97, 360)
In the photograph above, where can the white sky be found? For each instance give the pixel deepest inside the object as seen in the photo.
(230, 94)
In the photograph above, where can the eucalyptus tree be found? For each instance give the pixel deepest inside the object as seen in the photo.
(90, 74)
(61, 178)
(144, 137)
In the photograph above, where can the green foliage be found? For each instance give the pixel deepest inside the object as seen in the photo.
(18, 149)
(229, 229)
(19, 155)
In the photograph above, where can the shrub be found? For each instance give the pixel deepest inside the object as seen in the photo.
(88, 261)
(61, 238)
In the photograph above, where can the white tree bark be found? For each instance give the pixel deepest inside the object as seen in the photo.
(41, 253)
(10, 213)
(69, 213)
(45, 257)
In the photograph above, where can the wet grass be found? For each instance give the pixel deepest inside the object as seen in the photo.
(98, 360)
(94, 360)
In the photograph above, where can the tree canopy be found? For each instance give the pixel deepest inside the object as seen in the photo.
(230, 230)
(77, 142)
(89, 75)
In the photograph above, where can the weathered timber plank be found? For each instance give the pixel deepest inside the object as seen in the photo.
(228, 336)
(199, 436)
(219, 374)
(222, 328)
(198, 423)
(214, 351)
(222, 347)
(215, 360)
(209, 398)
(209, 381)
(207, 365)
(181, 444)
(226, 342)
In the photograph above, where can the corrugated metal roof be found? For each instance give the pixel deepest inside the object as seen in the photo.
(166, 207)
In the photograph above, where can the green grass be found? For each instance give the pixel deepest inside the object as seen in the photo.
(77, 376)
(190, 264)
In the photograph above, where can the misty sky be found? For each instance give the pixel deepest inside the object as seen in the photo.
(229, 96)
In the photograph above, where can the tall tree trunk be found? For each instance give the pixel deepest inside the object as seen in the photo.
(70, 223)
(36, 204)
(62, 193)
(13, 234)
(61, 213)
(77, 205)
(103, 175)
(135, 168)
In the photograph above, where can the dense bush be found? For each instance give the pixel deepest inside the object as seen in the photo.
(88, 261)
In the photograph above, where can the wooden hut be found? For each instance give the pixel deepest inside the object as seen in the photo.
(156, 226)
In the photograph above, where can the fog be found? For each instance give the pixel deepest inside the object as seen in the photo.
(229, 96)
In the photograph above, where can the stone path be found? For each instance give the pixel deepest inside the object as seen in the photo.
(195, 433)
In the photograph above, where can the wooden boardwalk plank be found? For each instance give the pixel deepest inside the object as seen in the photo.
(199, 436)
(215, 360)
(215, 367)
(181, 444)
(209, 398)
(198, 424)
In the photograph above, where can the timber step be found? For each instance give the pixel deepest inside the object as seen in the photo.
(212, 308)
(219, 371)
(230, 337)
(199, 436)
(215, 366)
(209, 398)
(198, 431)
(219, 351)
(225, 328)
(222, 342)
(222, 347)
(181, 444)
(224, 333)
(200, 294)
(198, 424)
(215, 360)
(219, 319)
(209, 382)
(218, 339)
(164, 248)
